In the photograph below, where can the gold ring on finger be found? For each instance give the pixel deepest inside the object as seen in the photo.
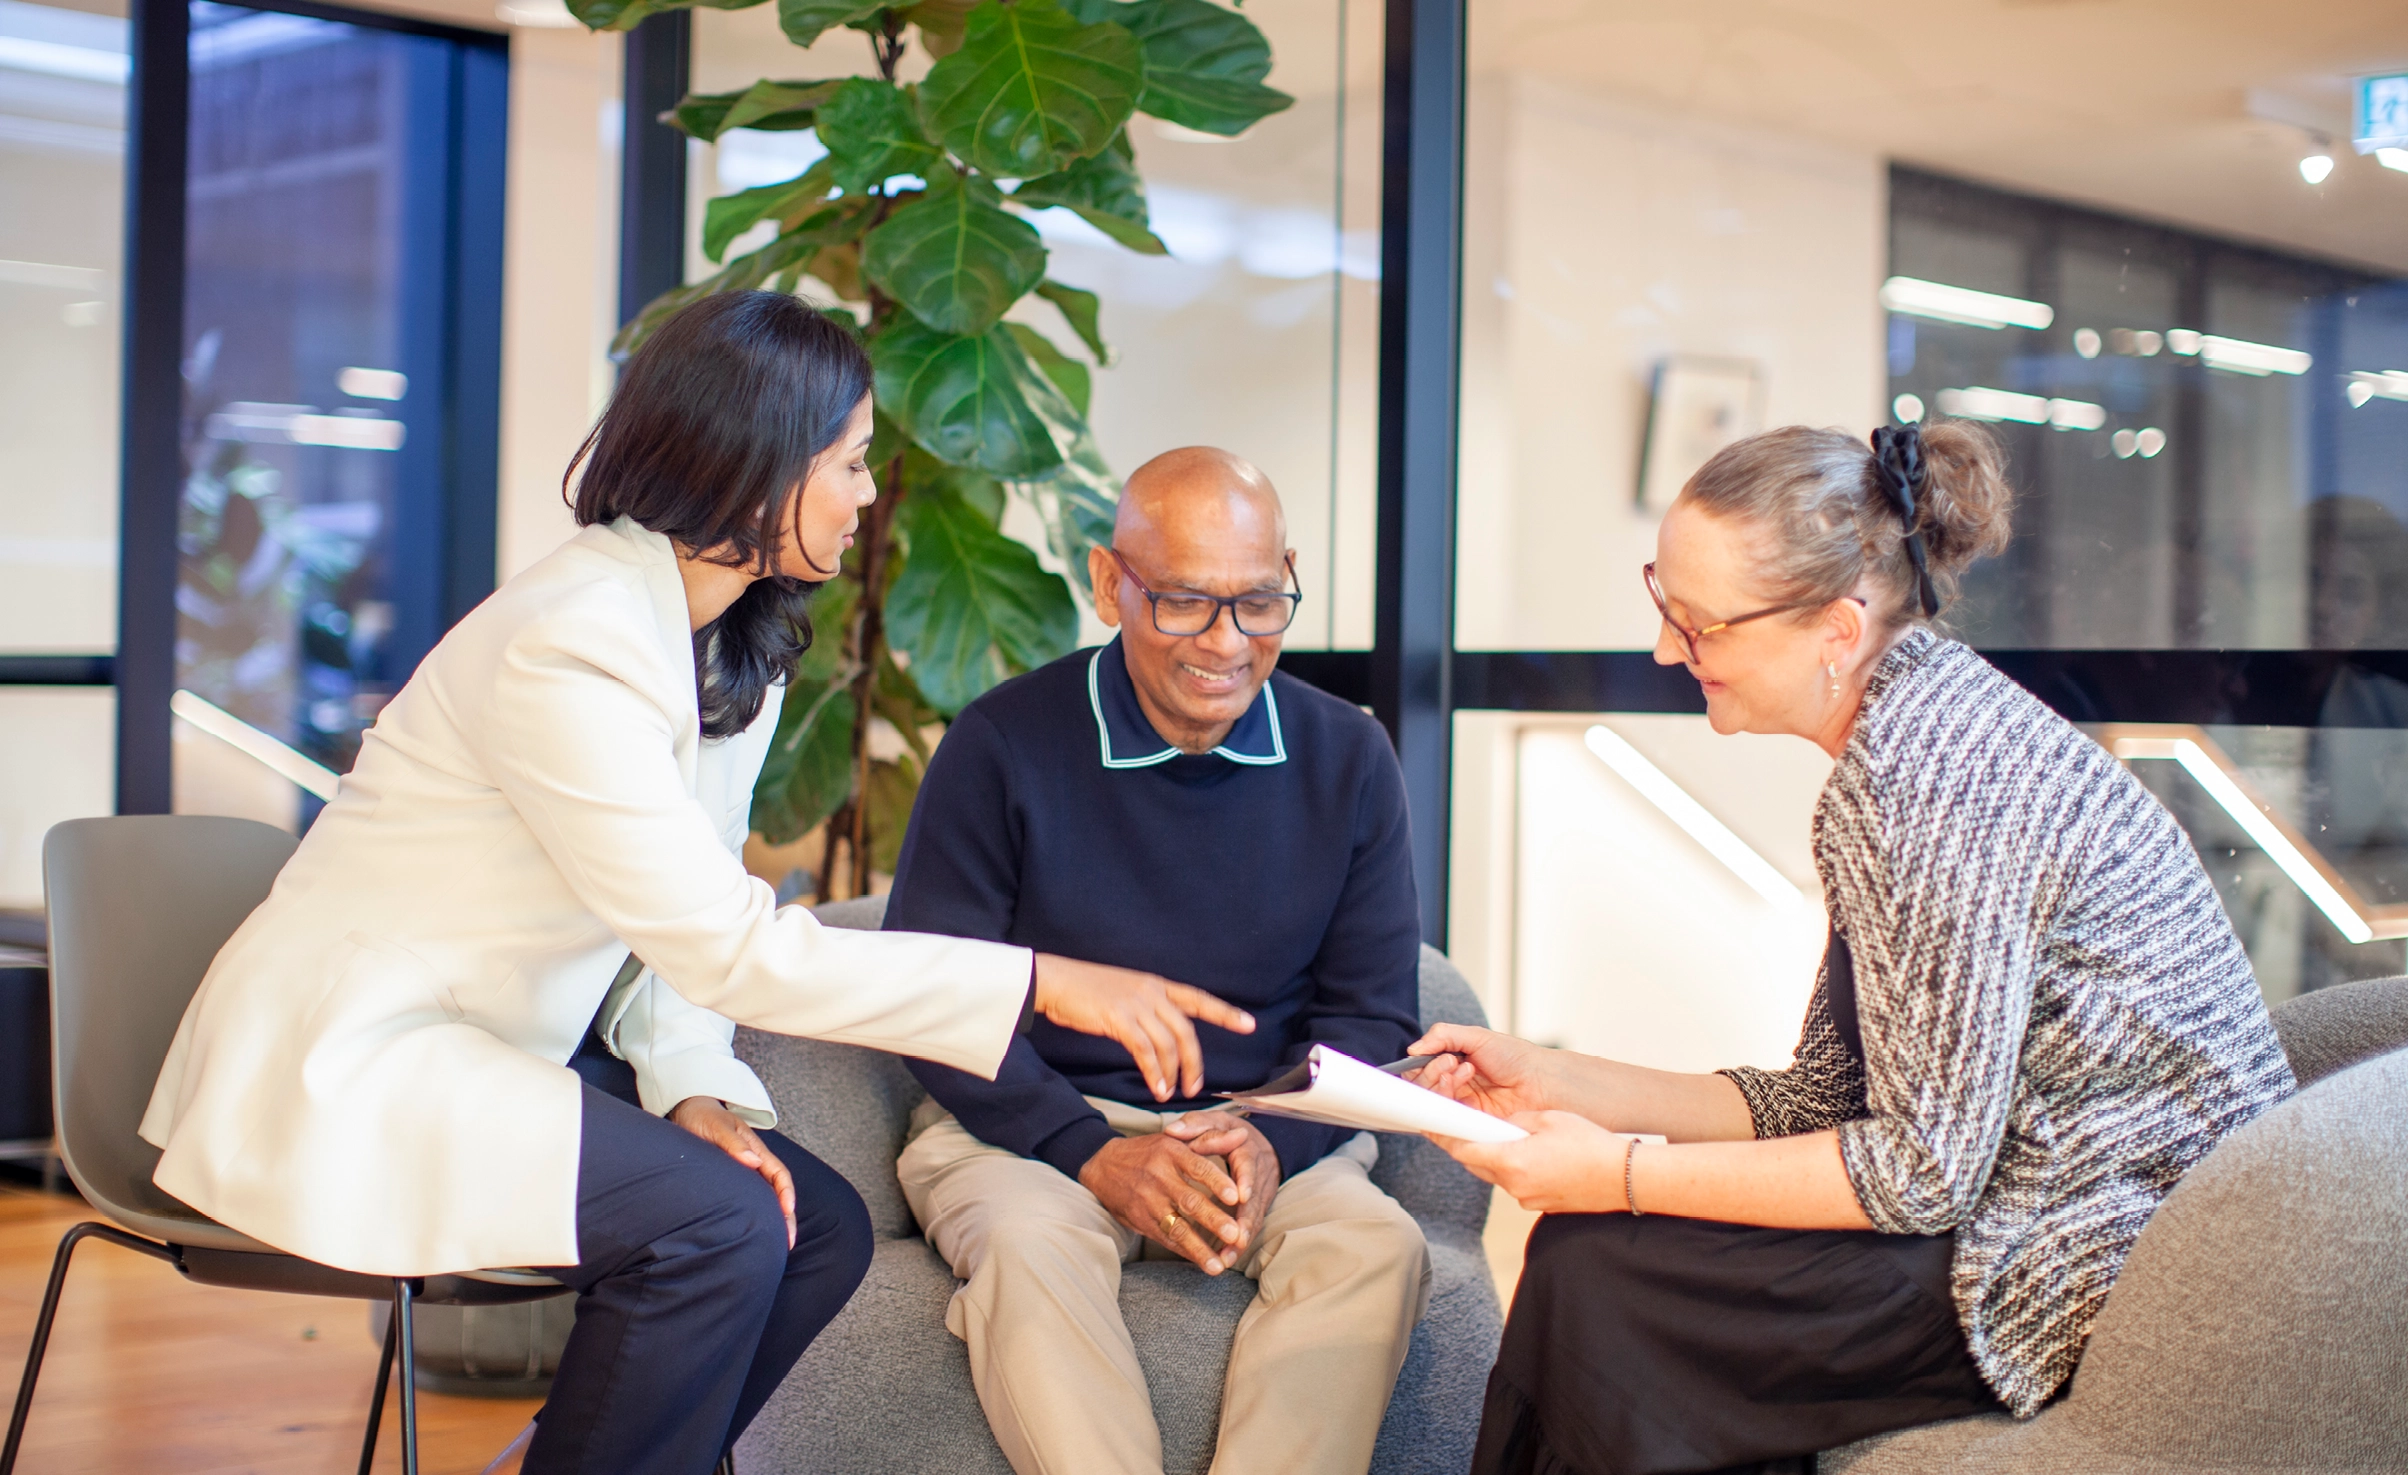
(1170, 1221)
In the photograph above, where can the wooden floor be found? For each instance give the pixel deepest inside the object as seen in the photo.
(149, 1373)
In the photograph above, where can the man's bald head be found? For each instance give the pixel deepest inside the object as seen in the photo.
(1199, 493)
(1195, 521)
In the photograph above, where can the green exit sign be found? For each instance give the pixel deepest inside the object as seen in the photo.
(2379, 112)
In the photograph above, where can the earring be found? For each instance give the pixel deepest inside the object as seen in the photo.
(1831, 669)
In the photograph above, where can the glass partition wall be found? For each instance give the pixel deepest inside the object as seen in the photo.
(2174, 292)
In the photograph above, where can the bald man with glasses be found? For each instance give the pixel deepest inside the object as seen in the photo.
(1169, 802)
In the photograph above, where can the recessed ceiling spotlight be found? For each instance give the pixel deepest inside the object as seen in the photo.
(2150, 441)
(1908, 408)
(2086, 342)
(2316, 168)
(2392, 159)
(2125, 443)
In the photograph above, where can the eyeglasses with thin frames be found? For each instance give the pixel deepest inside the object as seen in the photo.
(1690, 638)
(1259, 612)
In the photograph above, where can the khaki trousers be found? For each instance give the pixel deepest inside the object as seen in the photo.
(1341, 1277)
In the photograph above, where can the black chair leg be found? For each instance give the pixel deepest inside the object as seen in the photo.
(727, 1464)
(50, 1311)
(403, 1293)
(376, 1400)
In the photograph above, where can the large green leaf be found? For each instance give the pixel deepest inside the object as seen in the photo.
(1031, 89)
(1204, 65)
(1077, 502)
(1106, 192)
(622, 15)
(942, 24)
(872, 132)
(1068, 374)
(769, 107)
(955, 257)
(1081, 309)
(775, 265)
(983, 493)
(971, 606)
(803, 20)
(808, 770)
(730, 216)
(809, 767)
(975, 401)
(893, 787)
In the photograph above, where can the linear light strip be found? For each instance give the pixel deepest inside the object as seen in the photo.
(227, 728)
(2253, 822)
(1658, 789)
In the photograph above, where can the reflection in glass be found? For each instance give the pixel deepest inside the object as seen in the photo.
(2339, 796)
(311, 512)
(2196, 429)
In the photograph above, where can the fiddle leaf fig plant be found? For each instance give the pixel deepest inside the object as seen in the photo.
(915, 225)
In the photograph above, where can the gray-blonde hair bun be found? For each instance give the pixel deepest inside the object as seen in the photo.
(1907, 513)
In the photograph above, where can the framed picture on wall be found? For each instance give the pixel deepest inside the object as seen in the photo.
(1698, 405)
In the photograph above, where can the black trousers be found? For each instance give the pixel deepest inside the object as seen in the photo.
(690, 1306)
(1653, 1345)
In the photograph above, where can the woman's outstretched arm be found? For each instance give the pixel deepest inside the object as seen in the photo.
(1570, 1165)
(1505, 1076)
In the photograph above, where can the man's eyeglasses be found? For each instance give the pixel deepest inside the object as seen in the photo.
(1257, 613)
(1690, 638)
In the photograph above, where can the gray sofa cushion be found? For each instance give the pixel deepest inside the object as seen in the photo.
(2261, 1322)
(2337, 1027)
(887, 1388)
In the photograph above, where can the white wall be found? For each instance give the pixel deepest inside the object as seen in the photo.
(1600, 238)
(1630, 940)
(560, 276)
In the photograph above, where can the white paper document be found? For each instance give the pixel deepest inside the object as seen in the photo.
(1341, 1091)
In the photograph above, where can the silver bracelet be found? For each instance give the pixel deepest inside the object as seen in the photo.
(1630, 1195)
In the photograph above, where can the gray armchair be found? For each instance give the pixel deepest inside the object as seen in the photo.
(887, 1388)
(2261, 1323)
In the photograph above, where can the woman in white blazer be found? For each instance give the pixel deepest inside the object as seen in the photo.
(376, 1072)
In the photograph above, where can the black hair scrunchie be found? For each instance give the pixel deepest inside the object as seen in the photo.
(1898, 466)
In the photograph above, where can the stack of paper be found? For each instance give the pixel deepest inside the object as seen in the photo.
(1341, 1091)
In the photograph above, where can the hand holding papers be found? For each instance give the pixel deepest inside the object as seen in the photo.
(1341, 1091)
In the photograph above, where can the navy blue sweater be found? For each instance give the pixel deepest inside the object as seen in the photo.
(1274, 871)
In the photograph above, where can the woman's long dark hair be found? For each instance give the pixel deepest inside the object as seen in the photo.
(716, 424)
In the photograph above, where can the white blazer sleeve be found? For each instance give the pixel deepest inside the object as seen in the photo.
(585, 717)
(680, 1049)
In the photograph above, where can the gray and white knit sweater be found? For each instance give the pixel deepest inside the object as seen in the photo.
(2057, 1019)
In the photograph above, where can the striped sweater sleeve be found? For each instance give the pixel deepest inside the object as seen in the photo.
(1822, 1086)
(1944, 920)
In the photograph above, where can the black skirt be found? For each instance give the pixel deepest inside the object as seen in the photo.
(1653, 1345)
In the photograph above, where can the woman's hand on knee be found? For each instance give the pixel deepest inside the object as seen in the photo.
(1500, 1074)
(1148, 1015)
(710, 1120)
(1567, 1165)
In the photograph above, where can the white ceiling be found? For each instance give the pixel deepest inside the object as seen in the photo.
(2142, 107)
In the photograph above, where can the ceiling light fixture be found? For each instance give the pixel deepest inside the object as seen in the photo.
(2386, 384)
(2316, 168)
(2392, 159)
(2086, 342)
(1943, 303)
(1908, 408)
(2240, 356)
(1658, 789)
(2075, 414)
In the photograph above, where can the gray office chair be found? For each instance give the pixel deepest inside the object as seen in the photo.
(139, 905)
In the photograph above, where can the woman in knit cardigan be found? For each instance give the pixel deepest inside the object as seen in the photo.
(2032, 1019)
